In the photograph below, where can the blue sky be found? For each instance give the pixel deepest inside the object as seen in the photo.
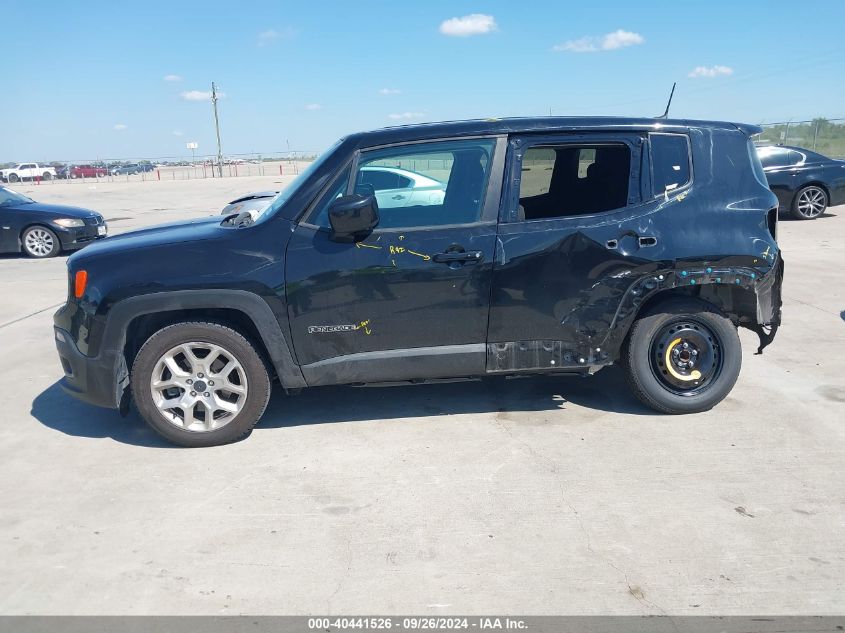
(88, 78)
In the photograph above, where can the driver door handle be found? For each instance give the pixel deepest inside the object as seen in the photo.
(451, 257)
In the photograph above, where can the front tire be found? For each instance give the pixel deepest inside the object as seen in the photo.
(200, 384)
(809, 203)
(14, 178)
(40, 242)
(682, 356)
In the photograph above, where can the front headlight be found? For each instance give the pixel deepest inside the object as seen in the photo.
(69, 223)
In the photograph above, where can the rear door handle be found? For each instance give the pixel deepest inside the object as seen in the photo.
(451, 257)
(643, 241)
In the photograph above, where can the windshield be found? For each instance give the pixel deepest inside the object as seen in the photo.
(10, 198)
(286, 193)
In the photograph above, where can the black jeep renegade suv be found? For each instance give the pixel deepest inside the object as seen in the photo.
(449, 250)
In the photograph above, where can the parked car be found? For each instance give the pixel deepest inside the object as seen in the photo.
(560, 245)
(62, 171)
(805, 182)
(392, 186)
(44, 230)
(27, 171)
(130, 169)
(145, 166)
(88, 171)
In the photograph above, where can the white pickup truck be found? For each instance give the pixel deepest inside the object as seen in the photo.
(24, 171)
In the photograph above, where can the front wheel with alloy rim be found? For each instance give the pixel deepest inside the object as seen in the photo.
(40, 242)
(809, 203)
(682, 356)
(200, 384)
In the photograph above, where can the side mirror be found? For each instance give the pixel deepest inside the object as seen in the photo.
(353, 217)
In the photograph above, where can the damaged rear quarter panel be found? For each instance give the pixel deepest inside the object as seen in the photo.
(567, 290)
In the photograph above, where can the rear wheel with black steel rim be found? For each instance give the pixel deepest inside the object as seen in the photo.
(682, 356)
(809, 203)
(200, 384)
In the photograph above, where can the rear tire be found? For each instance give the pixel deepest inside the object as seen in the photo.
(209, 398)
(682, 356)
(46, 176)
(809, 203)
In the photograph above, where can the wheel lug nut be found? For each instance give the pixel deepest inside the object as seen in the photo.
(211, 383)
(200, 376)
(193, 393)
(189, 381)
(206, 394)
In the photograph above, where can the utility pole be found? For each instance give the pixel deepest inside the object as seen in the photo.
(217, 127)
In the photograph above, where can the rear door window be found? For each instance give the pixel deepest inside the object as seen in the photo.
(773, 156)
(568, 179)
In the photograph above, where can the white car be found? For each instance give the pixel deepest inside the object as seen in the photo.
(393, 187)
(397, 187)
(27, 171)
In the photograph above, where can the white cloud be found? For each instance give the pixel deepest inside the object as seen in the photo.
(473, 24)
(389, 91)
(177, 132)
(313, 106)
(713, 71)
(406, 115)
(200, 95)
(606, 42)
(172, 78)
(120, 127)
(269, 36)
(265, 37)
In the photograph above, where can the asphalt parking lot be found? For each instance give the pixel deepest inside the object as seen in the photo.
(533, 496)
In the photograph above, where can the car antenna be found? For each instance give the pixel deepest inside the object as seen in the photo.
(666, 112)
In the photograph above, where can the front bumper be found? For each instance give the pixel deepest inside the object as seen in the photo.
(98, 380)
(77, 237)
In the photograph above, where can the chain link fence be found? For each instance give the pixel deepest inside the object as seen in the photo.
(196, 167)
(825, 136)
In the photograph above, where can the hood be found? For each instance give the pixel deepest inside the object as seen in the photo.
(163, 234)
(59, 210)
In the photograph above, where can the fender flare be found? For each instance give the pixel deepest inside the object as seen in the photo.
(252, 305)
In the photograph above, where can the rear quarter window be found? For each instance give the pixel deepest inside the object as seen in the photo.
(670, 161)
(756, 164)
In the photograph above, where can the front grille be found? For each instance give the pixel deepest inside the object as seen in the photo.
(95, 221)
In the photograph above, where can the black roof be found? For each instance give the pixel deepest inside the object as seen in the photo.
(474, 127)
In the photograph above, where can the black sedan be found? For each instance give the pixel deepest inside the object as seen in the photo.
(44, 230)
(806, 183)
